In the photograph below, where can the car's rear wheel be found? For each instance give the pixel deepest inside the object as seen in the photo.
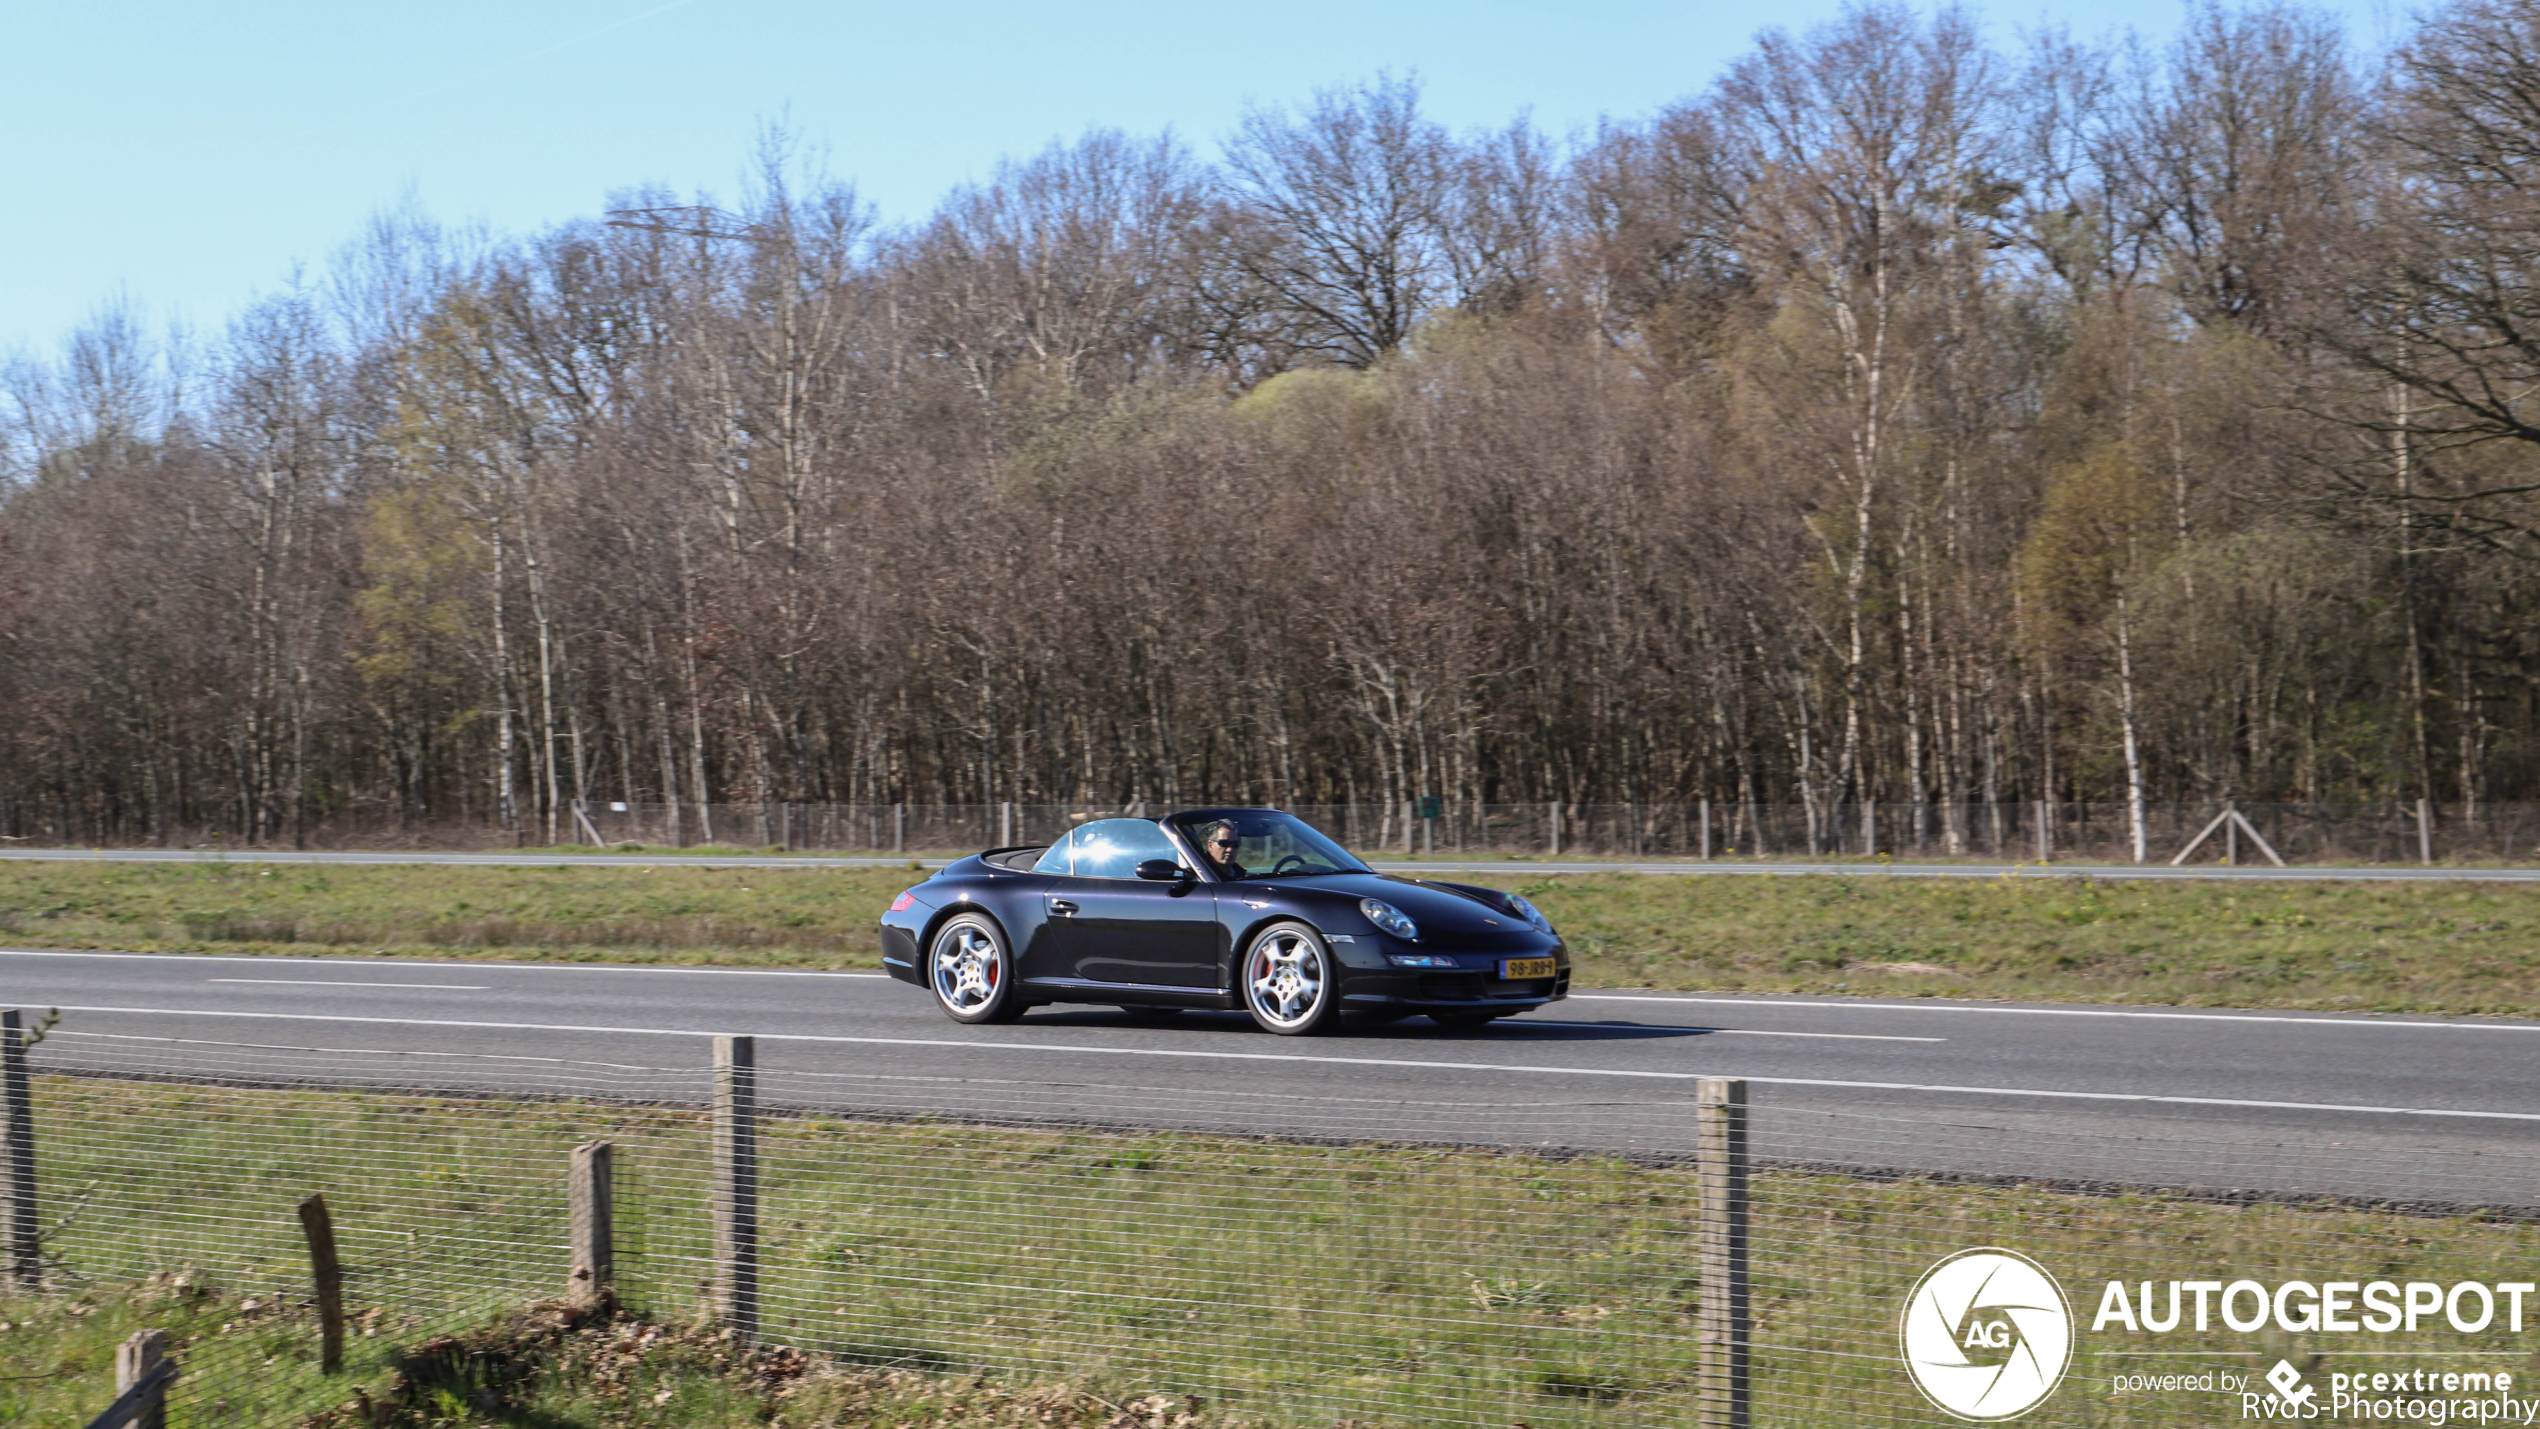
(972, 971)
(1464, 1021)
(1289, 982)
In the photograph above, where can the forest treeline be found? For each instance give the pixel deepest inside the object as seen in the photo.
(1907, 415)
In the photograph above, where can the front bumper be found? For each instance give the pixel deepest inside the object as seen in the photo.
(1466, 990)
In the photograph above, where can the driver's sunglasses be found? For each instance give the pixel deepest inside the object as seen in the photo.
(1221, 841)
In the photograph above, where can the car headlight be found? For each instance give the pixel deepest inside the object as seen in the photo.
(1391, 919)
(1420, 960)
(1530, 913)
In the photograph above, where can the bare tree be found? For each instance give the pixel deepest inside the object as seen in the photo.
(2241, 158)
(1342, 215)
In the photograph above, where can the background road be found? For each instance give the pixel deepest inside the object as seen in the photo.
(2422, 1110)
(2297, 874)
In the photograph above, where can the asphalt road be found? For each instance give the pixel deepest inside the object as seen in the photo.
(2424, 1110)
(2303, 873)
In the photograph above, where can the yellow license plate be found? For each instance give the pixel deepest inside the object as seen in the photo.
(1514, 968)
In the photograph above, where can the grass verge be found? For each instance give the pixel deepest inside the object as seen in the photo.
(2379, 947)
(951, 1269)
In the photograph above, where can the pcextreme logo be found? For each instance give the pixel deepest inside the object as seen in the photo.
(1987, 1334)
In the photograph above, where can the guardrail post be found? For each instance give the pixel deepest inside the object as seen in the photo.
(135, 1361)
(736, 1185)
(591, 1190)
(327, 1272)
(1725, 1400)
(21, 1263)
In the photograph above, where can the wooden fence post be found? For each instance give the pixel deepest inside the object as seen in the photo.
(736, 1185)
(1554, 826)
(2425, 832)
(899, 828)
(2045, 834)
(138, 1364)
(1725, 1399)
(1706, 828)
(592, 1192)
(328, 1274)
(21, 1260)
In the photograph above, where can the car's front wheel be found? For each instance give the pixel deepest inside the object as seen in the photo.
(972, 972)
(1289, 981)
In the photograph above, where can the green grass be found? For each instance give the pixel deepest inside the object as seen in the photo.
(787, 917)
(2384, 947)
(546, 1367)
(947, 1270)
(2381, 947)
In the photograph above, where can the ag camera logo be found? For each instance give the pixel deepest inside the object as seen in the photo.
(1987, 1334)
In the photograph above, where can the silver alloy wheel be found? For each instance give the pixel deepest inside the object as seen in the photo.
(1286, 979)
(969, 969)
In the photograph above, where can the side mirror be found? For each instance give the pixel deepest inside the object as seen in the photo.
(1162, 870)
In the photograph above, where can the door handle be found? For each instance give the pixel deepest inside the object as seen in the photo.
(1060, 907)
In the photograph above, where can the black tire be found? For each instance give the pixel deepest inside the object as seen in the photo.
(971, 969)
(1464, 1021)
(1290, 981)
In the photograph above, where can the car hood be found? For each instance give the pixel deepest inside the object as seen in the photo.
(1435, 909)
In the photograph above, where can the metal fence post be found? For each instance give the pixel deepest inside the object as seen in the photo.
(591, 1190)
(135, 1358)
(1720, 1143)
(327, 1272)
(1706, 828)
(21, 1264)
(2425, 831)
(736, 1185)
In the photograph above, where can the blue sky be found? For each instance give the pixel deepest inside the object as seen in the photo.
(187, 157)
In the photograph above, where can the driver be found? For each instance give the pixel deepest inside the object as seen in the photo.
(1219, 844)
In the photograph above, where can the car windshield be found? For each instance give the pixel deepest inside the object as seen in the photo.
(1266, 844)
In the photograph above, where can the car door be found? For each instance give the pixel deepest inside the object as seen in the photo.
(1114, 928)
(1042, 954)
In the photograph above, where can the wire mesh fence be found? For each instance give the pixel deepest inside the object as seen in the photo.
(1372, 1257)
(2003, 830)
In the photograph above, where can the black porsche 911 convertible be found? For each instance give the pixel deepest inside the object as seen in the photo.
(1225, 908)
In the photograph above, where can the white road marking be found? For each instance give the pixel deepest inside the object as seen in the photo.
(420, 963)
(314, 982)
(2355, 1021)
(1738, 1031)
(2135, 1097)
(1839, 1036)
(2361, 1020)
